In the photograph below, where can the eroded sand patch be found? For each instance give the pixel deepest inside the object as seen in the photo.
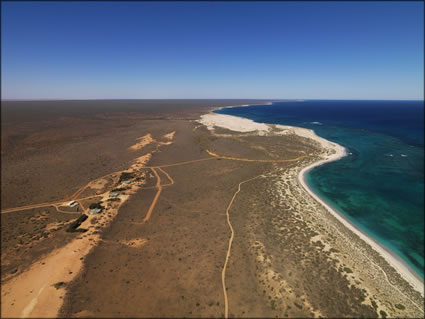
(54, 225)
(33, 293)
(134, 243)
(143, 141)
(169, 136)
(141, 161)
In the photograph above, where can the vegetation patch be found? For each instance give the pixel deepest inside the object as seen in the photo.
(126, 176)
(96, 205)
(399, 306)
(348, 270)
(298, 305)
(75, 224)
(59, 284)
(374, 305)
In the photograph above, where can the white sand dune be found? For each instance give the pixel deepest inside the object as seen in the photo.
(232, 123)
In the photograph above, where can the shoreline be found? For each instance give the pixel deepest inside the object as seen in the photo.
(396, 262)
(232, 106)
(393, 259)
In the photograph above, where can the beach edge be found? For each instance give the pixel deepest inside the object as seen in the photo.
(338, 152)
(393, 260)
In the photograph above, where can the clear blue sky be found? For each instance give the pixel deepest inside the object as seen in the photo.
(276, 50)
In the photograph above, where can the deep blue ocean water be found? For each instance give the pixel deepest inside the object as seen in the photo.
(379, 186)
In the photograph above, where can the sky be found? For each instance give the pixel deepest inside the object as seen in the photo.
(270, 50)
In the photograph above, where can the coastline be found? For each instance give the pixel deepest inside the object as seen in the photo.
(334, 152)
(394, 260)
(232, 106)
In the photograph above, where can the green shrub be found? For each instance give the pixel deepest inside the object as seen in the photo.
(75, 224)
(96, 205)
(126, 176)
(59, 284)
(348, 270)
(400, 306)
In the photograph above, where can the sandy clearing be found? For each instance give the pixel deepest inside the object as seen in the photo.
(141, 162)
(169, 136)
(32, 294)
(98, 184)
(134, 243)
(143, 141)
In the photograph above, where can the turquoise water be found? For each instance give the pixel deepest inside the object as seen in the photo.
(379, 186)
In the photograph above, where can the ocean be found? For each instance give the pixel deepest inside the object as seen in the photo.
(379, 185)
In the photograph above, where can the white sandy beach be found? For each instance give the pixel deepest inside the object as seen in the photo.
(332, 152)
(394, 261)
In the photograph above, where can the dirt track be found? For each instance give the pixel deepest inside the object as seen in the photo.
(232, 234)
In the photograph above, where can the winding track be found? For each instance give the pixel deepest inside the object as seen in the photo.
(168, 176)
(159, 186)
(232, 234)
(257, 161)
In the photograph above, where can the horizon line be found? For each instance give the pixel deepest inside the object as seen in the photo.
(258, 99)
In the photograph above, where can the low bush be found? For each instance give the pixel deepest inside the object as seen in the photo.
(399, 306)
(96, 205)
(348, 270)
(59, 284)
(126, 176)
(75, 224)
